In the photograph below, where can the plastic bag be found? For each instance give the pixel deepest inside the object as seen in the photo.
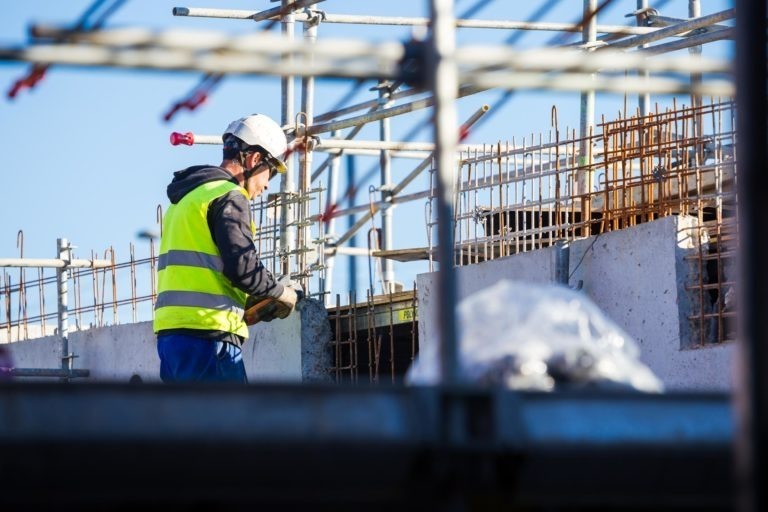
(538, 337)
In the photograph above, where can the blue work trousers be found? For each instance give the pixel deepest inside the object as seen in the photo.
(189, 359)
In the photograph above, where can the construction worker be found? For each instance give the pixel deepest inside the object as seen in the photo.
(208, 264)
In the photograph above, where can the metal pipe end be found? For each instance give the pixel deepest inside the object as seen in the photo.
(180, 11)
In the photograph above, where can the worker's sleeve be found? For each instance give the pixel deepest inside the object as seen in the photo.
(230, 224)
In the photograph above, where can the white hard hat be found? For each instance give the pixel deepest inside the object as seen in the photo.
(260, 130)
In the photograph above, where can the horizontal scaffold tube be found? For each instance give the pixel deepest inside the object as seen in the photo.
(673, 30)
(390, 145)
(275, 12)
(354, 19)
(384, 113)
(53, 263)
(688, 42)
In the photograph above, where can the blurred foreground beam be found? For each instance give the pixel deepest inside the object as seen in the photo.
(353, 447)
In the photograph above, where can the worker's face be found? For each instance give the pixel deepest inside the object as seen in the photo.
(258, 183)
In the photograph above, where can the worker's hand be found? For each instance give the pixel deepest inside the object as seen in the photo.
(286, 302)
(288, 282)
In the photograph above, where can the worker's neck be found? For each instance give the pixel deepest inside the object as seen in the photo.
(235, 169)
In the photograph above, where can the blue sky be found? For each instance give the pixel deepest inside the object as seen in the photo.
(85, 154)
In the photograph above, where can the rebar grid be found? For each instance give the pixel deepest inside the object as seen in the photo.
(379, 335)
(517, 197)
(96, 293)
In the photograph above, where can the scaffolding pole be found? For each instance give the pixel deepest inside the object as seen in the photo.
(287, 180)
(385, 113)
(587, 114)
(643, 99)
(673, 30)
(330, 259)
(65, 254)
(444, 83)
(385, 162)
(352, 19)
(305, 160)
(694, 12)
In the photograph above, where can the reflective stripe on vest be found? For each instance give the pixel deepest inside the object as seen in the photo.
(193, 292)
(197, 299)
(190, 259)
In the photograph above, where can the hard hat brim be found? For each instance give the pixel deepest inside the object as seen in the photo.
(278, 164)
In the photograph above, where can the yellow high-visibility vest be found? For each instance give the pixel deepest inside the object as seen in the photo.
(192, 291)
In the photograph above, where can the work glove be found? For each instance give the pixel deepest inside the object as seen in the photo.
(265, 309)
(286, 302)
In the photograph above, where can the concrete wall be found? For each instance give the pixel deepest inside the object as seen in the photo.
(275, 351)
(637, 276)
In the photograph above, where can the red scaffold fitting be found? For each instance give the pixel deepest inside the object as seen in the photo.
(182, 138)
(36, 73)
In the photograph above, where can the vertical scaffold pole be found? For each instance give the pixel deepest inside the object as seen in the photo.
(63, 251)
(288, 180)
(330, 233)
(584, 176)
(385, 161)
(444, 82)
(694, 11)
(643, 99)
(305, 160)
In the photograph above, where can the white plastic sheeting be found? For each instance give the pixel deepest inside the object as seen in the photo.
(538, 337)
